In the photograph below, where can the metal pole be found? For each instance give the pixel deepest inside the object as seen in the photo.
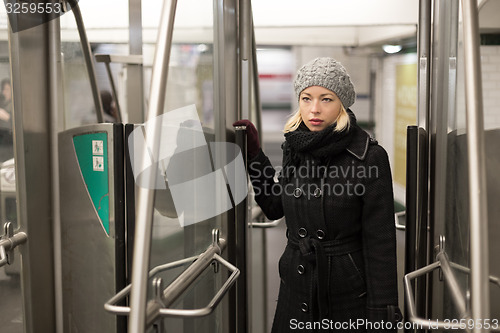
(87, 54)
(243, 307)
(54, 79)
(258, 116)
(145, 196)
(245, 45)
(480, 298)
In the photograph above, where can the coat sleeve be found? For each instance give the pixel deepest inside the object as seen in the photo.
(267, 191)
(379, 240)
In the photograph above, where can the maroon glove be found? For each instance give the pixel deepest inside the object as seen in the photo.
(253, 144)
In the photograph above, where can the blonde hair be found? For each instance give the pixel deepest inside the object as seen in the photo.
(343, 121)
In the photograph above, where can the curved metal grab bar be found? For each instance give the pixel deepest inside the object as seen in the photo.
(399, 226)
(235, 272)
(158, 307)
(87, 54)
(111, 306)
(451, 281)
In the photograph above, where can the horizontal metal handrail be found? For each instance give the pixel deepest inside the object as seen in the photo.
(130, 59)
(399, 226)
(452, 283)
(8, 242)
(159, 307)
(493, 279)
(270, 224)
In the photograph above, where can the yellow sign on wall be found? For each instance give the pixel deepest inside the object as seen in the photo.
(406, 114)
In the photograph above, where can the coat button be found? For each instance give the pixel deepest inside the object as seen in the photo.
(297, 192)
(302, 232)
(317, 192)
(301, 269)
(320, 234)
(304, 307)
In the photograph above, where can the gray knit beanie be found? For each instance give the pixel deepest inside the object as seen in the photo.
(327, 73)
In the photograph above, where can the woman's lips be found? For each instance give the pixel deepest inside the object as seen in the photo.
(316, 121)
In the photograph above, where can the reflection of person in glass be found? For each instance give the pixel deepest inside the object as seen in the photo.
(109, 107)
(339, 265)
(6, 148)
(5, 104)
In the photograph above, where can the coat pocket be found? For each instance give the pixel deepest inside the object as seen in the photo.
(284, 264)
(358, 279)
(347, 275)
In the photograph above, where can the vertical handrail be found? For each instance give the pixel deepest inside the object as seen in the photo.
(258, 120)
(476, 163)
(145, 196)
(87, 54)
(411, 203)
(55, 96)
(245, 45)
(416, 220)
(243, 307)
(424, 50)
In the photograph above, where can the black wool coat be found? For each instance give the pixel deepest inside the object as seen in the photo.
(338, 270)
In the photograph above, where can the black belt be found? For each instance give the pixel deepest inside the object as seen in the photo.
(316, 251)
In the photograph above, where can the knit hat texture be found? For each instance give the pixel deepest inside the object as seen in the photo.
(327, 73)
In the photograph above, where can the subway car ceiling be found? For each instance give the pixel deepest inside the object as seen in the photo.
(277, 22)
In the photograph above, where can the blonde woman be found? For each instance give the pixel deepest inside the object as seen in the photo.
(338, 270)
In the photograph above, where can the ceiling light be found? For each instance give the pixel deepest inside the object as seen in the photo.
(391, 48)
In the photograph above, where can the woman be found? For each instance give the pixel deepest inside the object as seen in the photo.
(338, 270)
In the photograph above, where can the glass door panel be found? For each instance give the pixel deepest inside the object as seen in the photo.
(450, 202)
(11, 311)
(186, 212)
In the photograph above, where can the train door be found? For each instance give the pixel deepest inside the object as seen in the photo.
(188, 270)
(452, 218)
(199, 207)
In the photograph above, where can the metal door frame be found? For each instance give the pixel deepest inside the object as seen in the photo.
(436, 119)
(33, 95)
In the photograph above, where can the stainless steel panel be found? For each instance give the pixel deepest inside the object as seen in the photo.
(458, 164)
(31, 94)
(135, 76)
(11, 311)
(93, 266)
(444, 168)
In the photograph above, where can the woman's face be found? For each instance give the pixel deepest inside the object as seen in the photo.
(319, 107)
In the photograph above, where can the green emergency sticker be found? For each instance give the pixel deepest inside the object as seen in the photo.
(92, 154)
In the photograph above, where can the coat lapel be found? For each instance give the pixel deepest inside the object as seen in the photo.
(358, 147)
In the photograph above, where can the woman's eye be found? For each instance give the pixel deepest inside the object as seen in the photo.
(305, 99)
(327, 100)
